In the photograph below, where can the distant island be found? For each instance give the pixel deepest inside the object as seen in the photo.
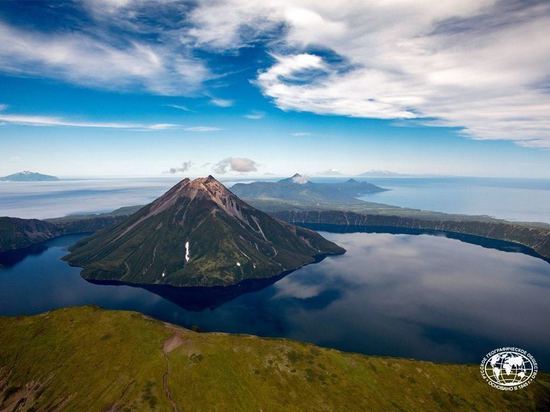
(300, 189)
(27, 176)
(198, 234)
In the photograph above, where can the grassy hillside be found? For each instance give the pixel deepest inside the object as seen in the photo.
(95, 360)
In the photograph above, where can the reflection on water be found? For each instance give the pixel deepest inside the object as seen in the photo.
(421, 296)
(196, 298)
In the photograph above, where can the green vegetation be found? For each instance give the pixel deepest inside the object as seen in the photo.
(198, 234)
(95, 360)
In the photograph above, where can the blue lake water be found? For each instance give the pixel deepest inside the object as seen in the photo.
(424, 297)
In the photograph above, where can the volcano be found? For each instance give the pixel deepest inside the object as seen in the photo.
(198, 234)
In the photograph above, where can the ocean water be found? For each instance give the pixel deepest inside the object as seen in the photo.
(513, 199)
(42, 200)
(423, 297)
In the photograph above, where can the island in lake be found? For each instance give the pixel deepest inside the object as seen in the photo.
(198, 234)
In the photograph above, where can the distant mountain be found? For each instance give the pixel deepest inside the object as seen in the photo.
(198, 234)
(296, 178)
(299, 189)
(27, 176)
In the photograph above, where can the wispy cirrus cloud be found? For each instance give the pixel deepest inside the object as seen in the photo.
(121, 64)
(44, 120)
(396, 59)
(401, 60)
(202, 129)
(39, 120)
(255, 115)
(179, 107)
(221, 102)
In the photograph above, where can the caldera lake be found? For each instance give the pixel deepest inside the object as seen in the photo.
(415, 296)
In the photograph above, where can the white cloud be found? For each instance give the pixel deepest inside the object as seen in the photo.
(164, 69)
(335, 93)
(202, 129)
(235, 164)
(255, 115)
(331, 172)
(300, 179)
(185, 166)
(479, 65)
(179, 107)
(221, 102)
(38, 120)
(301, 134)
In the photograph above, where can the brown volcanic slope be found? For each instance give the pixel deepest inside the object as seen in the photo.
(198, 234)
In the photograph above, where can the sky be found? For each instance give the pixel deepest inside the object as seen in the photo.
(272, 87)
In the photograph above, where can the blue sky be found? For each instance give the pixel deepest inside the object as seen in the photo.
(235, 87)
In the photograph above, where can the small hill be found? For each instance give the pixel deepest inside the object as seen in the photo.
(27, 176)
(88, 359)
(198, 234)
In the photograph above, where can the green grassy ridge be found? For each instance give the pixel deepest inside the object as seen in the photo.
(90, 359)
